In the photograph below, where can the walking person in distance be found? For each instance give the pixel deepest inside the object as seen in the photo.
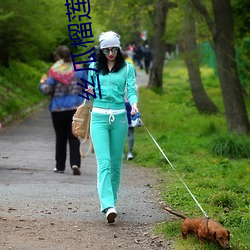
(61, 85)
(147, 54)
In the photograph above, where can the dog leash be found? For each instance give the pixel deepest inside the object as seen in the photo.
(174, 170)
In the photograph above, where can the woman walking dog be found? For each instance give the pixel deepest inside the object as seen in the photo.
(109, 123)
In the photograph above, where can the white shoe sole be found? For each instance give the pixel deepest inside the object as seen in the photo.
(58, 171)
(111, 215)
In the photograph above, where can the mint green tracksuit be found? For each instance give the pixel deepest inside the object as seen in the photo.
(109, 130)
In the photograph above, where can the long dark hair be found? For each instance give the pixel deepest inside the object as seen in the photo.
(102, 66)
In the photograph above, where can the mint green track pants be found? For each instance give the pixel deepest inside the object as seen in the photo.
(108, 136)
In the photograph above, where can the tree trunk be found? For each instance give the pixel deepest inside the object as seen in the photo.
(201, 99)
(235, 109)
(159, 47)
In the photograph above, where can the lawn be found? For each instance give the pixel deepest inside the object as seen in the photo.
(19, 88)
(214, 164)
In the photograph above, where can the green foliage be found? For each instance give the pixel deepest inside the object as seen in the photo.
(224, 200)
(170, 230)
(175, 25)
(28, 33)
(243, 60)
(133, 17)
(19, 87)
(5, 16)
(219, 183)
(242, 37)
(175, 28)
(231, 146)
(241, 17)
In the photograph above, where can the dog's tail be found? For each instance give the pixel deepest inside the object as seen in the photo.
(175, 213)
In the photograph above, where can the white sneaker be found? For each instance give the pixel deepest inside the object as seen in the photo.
(111, 214)
(130, 156)
(58, 171)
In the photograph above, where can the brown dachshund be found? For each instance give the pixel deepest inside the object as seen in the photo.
(204, 229)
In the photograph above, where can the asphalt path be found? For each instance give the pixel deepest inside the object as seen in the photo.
(31, 190)
(26, 164)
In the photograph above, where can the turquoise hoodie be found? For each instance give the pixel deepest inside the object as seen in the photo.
(113, 86)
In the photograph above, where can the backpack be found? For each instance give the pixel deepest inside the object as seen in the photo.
(81, 126)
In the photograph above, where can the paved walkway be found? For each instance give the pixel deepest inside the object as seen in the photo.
(29, 189)
(26, 163)
(141, 78)
(27, 158)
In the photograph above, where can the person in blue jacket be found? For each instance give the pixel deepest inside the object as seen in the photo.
(109, 124)
(61, 85)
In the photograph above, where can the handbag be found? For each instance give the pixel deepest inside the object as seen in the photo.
(136, 120)
(81, 127)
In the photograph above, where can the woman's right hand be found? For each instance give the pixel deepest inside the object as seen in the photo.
(90, 90)
(43, 79)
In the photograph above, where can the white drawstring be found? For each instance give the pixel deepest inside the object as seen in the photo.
(110, 112)
(111, 117)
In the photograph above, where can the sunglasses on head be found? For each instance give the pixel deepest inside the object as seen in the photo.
(106, 51)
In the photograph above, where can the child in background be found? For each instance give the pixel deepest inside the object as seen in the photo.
(128, 108)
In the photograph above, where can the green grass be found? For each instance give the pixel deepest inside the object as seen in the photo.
(214, 164)
(19, 88)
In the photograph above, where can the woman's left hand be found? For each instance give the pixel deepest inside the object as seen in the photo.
(134, 109)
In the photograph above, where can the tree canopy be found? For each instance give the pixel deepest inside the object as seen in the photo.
(30, 32)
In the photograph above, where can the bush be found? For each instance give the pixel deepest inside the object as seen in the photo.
(231, 146)
(219, 183)
(19, 88)
(224, 200)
